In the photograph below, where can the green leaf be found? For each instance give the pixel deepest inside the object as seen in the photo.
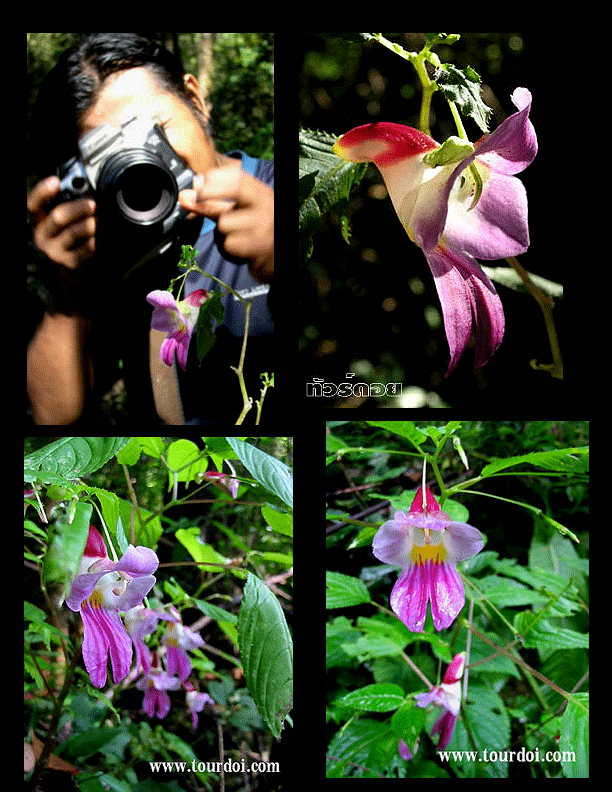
(180, 454)
(462, 86)
(544, 636)
(510, 278)
(277, 520)
(71, 457)
(405, 429)
(325, 183)
(130, 454)
(344, 591)
(266, 651)
(211, 314)
(66, 548)
(373, 698)
(574, 740)
(563, 460)
(197, 549)
(270, 472)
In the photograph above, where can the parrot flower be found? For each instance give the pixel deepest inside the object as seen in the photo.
(178, 639)
(102, 589)
(448, 696)
(178, 319)
(428, 545)
(155, 684)
(457, 211)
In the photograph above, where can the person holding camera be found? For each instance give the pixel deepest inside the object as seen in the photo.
(126, 133)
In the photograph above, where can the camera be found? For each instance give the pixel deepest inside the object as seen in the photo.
(135, 176)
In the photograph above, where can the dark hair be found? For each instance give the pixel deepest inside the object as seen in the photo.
(73, 86)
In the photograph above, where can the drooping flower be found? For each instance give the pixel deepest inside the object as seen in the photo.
(140, 622)
(428, 545)
(178, 640)
(224, 481)
(448, 696)
(457, 212)
(196, 702)
(178, 319)
(99, 592)
(155, 684)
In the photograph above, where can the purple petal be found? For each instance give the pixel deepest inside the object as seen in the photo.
(392, 543)
(167, 320)
(104, 632)
(513, 145)
(134, 593)
(496, 227)
(137, 561)
(162, 299)
(445, 725)
(409, 597)
(463, 288)
(447, 594)
(462, 541)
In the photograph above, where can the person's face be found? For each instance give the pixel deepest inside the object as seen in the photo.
(135, 92)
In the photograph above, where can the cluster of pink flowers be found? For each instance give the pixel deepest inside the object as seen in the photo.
(102, 591)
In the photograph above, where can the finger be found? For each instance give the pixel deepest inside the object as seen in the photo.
(42, 192)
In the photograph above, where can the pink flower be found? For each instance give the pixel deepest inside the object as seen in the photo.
(141, 621)
(179, 639)
(448, 696)
(102, 589)
(196, 702)
(178, 319)
(224, 481)
(155, 684)
(428, 545)
(457, 212)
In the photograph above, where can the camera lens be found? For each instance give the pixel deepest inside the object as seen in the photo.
(141, 186)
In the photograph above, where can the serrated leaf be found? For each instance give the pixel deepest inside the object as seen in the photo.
(564, 460)
(374, 698)
(344, 591)
(462, 86)
(71, 457)
(325, 182)
(266, 650)
(270, 472)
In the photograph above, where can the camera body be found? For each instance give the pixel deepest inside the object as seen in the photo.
(135, 176)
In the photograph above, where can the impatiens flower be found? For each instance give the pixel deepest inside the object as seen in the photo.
(178, 319)
(155, 700)
(224, 481)
(448, 696)
(196, 702)
(428, 545)
(179, 639)
(141, 621)
(99, 592)
(457, 212)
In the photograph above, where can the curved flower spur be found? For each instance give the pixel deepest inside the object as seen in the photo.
(457, 202)
(428, 544)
